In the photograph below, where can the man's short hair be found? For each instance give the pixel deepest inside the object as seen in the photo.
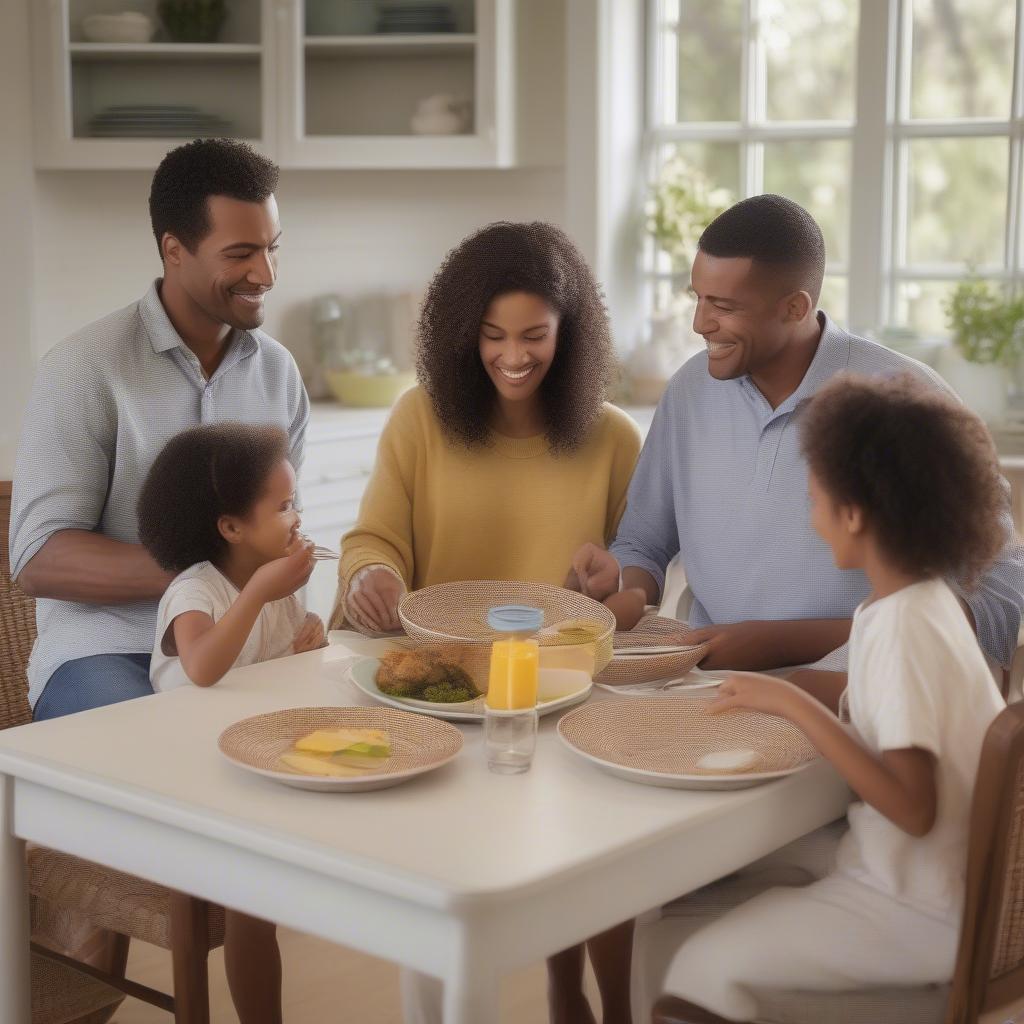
(190, 174)
(775, 232)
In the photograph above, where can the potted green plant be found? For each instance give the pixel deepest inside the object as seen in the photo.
(683, 202)
(986, 326)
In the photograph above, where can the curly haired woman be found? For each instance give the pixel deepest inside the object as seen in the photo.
(499, 465)
(506, 458)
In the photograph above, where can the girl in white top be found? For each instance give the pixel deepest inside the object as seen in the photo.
(218, 508)
(905, 485)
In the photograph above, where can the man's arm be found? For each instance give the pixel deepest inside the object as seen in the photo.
(78, 565)
(634, 576)
(648, 536)
(765, 644)
(994, 607)
(61, 481)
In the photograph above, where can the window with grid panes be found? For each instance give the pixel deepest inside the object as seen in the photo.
(897, 123)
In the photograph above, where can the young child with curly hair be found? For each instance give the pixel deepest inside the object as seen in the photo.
(218, 508)
(904, 485)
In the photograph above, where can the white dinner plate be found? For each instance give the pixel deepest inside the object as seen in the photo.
(558, 688)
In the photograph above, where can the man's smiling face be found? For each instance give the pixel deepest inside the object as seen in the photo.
(740, 313)
(235, 264)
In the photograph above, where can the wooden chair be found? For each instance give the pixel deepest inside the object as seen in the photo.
(61, 995)
(989, 971)
(66, 887)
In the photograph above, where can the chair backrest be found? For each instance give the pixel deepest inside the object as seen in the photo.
(17, 629)
(989, 970)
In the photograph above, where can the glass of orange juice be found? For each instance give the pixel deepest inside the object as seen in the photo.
(510, 708)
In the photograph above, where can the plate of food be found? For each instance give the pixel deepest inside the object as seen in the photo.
(433, 682)
(340, 750)
(673, 741)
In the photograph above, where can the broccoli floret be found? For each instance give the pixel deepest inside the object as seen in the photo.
(448, 692)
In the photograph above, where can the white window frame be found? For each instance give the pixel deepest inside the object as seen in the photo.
(880, 135)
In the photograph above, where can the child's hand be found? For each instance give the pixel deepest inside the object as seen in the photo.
(310, 636)
(757, 692)
(283, 576)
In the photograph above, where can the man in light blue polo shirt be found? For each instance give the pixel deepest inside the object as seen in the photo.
(106, 399)
(721, 479)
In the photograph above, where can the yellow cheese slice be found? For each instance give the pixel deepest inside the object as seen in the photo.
(375, 742)
(307, 765)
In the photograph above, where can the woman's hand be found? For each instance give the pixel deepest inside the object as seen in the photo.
(758, 693)
(375, 598)
(310, 636)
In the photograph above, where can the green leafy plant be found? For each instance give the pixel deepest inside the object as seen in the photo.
(193, 21)
(986, 325)
(683, 202)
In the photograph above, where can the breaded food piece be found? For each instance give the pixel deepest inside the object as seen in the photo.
(424, 673)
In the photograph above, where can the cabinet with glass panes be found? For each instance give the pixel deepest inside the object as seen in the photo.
(313, 83)
(399, 83)
(118, 82)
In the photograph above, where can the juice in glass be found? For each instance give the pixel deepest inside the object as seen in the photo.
(510, 708)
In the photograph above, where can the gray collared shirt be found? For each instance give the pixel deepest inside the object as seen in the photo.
(721, 480)
(104, 403)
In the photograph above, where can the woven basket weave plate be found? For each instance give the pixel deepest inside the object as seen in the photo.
(418, 745)
(457, 612)
(661, 740)
(651, 631)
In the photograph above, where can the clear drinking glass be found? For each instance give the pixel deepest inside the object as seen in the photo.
(510, 709)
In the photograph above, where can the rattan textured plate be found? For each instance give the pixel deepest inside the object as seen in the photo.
(457, 613)
(418, 745)
(557, 689)
(661, 741)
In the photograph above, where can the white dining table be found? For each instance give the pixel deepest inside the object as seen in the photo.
(461, 873)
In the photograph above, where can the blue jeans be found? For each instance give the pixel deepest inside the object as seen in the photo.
(92, 683)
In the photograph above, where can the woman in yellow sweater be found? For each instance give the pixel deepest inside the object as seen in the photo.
(500, 465)
(506, 458)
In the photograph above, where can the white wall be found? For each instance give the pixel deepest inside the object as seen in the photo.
(79, 243)
(342, 232)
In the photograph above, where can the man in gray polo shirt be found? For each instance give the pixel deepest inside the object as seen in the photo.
(107, 399)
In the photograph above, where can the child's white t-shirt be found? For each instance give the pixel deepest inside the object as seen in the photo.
(204, 588)
(919, 679)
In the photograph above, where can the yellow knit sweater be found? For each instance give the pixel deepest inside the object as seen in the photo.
(436, 511)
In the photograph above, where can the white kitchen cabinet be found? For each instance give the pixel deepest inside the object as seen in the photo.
(349, 100)
(307, 100)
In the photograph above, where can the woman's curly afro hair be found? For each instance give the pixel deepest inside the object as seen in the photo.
(201, 474)
(505, 257)
(920, 465)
